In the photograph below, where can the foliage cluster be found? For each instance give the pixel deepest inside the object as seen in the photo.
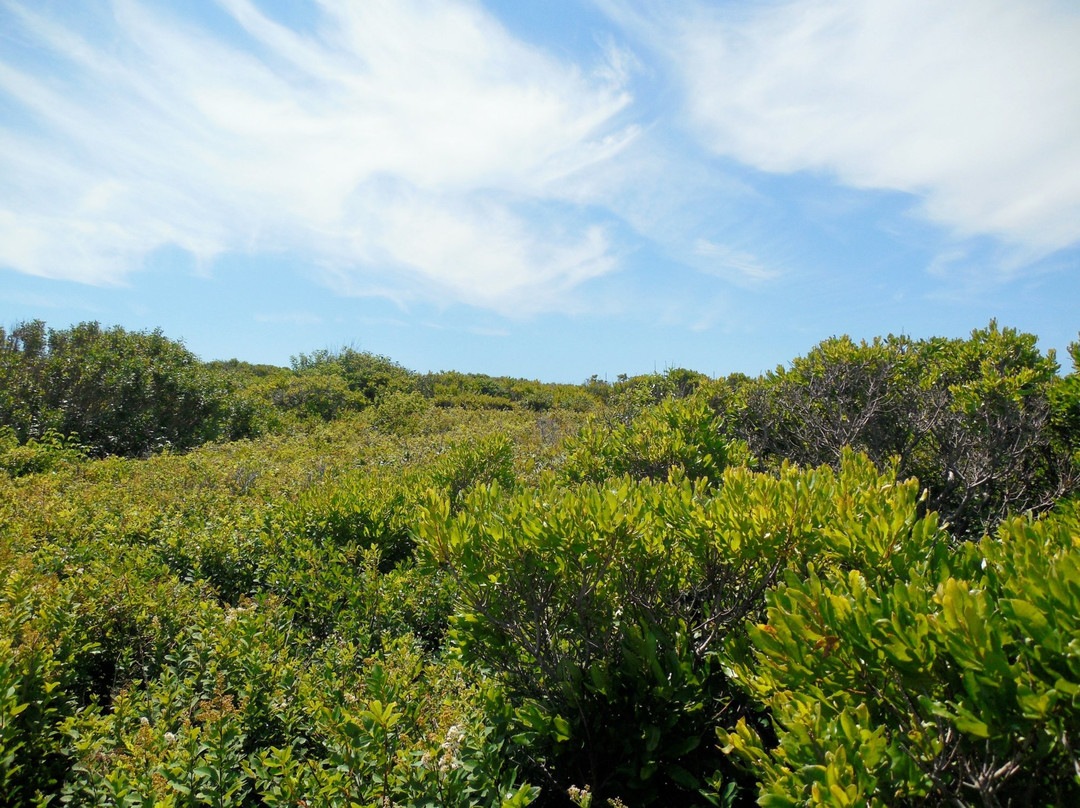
(695, 593)
(245, 625)
(983, 423)
(480, 391)
(956, 682)
(674, 435)
(46, 453)
(115, 392)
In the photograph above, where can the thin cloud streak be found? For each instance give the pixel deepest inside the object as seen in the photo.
(400, 145)
(740, 267)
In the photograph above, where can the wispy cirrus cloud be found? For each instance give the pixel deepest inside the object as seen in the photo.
(406, 146)
(740, 267)
(972, 106)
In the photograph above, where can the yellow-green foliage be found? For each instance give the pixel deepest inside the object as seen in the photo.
(47, 453)
(954, 681)
(616, 611)
(199, 629)
(675, 435)
(479, 391)
(384, 601)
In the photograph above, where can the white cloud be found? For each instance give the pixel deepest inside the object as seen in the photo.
(473, 249)
(972, 105)
(407, 135)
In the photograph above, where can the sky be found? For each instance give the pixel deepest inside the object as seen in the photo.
(545, 190)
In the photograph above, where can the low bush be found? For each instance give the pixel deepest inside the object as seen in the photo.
(676, 435)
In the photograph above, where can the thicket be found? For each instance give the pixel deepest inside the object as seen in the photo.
(108, 391)
(480, 391)
(985, 424)
(697, 592)
(113, 391)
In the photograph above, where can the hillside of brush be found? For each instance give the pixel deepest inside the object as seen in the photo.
(852, 581)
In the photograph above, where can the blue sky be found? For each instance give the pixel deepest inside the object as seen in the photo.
(548, 190)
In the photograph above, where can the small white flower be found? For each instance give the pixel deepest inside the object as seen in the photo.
(144, 721)
(581, 797)
(170, 738)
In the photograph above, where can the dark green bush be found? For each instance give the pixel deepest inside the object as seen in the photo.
(971, 418)
(115, 391)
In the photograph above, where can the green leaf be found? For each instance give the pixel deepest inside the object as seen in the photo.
(562, 729)
(683, 777)
(969, 724)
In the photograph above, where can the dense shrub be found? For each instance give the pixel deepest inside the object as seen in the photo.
(429, 606)
(1065, 409)
(115, 391)
(224, 628)
(676, 435)
(359, 509)
(954, 682)
(406, 414)
(366, 374)
(612, 610)
(473, 463)
(972, 419)
(322, 395)
(47, 453)
(480, 391)
(36, 693)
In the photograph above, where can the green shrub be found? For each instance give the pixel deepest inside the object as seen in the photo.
(442, 607)
(312, 395)
(38, 659)
(613, 610)
(401, 413)
(473, 463)
(481, 392)
(1065, 411)
(359, 509)
(955, 681)
(474, 401)
(681, 435)
(367, 375)
(47, 453)
(120, 392)
(972, 419)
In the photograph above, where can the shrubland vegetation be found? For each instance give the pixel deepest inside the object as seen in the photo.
(852, 581)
